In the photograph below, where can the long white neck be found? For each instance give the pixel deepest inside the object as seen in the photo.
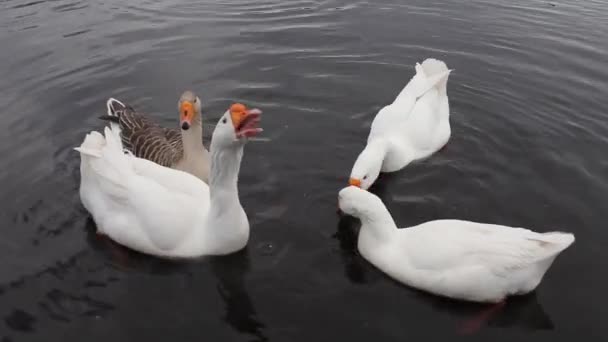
(377, 236)
(192, 140)
(225, 166)
(377, 149)
(376, 222)
(369, 162)
(226, 221)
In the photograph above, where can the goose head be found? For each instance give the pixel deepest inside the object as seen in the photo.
(189, 107)
(236, 125)
(367, 167)
(359, 203)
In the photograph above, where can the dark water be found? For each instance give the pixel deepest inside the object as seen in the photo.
(529, 122)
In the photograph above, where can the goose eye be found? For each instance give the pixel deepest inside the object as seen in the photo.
(224, 120)
(365, 177)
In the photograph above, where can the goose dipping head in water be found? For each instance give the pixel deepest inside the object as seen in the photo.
(453, 258)
(413, 127)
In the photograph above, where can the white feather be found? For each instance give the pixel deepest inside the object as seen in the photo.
(413, 127)
(159, 210)
(453, 258)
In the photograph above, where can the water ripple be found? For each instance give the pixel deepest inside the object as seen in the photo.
(528, 144)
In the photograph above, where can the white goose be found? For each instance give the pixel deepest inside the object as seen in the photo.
(453, 258)
(413, 127)
(165, 212)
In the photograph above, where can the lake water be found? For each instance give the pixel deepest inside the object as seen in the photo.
(529, 139)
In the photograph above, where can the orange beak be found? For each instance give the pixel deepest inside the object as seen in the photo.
(354, 182)
(244, 120)
(186, 113)
(237, 113)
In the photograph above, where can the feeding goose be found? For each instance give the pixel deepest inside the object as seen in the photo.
(413, 127)
(179, 148)
(453, 258)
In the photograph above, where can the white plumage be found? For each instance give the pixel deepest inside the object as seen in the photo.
(413, 127)
(453, 258)
(162, 211)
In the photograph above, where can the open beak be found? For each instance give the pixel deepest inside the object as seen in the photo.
(245, 121)
(354, 182)
(186, 114)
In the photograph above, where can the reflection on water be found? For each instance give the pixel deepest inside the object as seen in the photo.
(347, 236)
(525, 312)
(240, 312)
(230, 271)
(20, 320)
(53, 300)
(520, 312)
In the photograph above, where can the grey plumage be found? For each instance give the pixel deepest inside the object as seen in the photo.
(144, 138)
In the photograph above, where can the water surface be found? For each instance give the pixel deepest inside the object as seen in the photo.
(529, 123)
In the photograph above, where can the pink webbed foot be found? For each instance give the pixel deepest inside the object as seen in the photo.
(473, 325)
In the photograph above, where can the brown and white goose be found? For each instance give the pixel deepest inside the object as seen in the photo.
(178, 148)
(156, 210)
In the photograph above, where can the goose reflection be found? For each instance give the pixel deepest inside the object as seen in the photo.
(524, 312)
(354, 265)
(519, 312)
(240, 312)
(229, 270)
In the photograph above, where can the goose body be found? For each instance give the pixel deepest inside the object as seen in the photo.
(162, 211)
(413, 127)
(179, 148)
(453, 258)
